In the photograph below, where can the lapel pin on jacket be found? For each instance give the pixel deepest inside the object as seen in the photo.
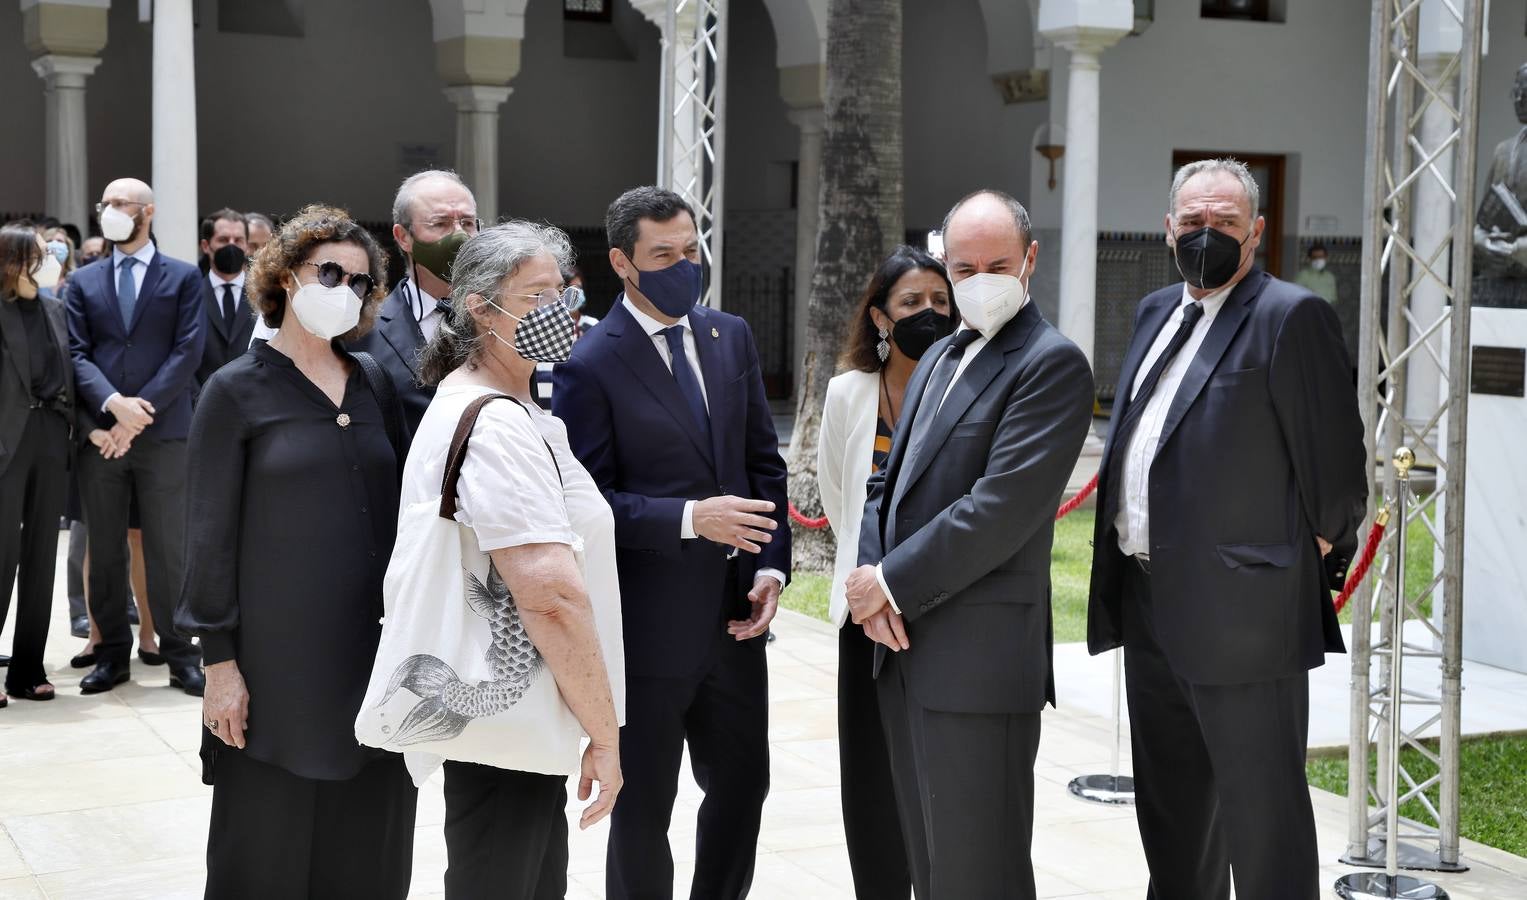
(715, 333)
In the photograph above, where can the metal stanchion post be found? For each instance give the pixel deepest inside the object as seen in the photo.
(1391, 884)
(1113, 788)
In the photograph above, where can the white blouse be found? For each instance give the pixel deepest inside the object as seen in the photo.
(511, 493)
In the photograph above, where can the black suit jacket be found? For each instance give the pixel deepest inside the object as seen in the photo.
(628, 424)
(963, 529)
(396, 342)
(1262, 450)
(223, 344)
(154, 356)
(16, 370)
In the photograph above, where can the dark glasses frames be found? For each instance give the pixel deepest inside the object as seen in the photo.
(330, 274)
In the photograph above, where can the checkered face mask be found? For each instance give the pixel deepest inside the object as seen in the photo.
(545, 335)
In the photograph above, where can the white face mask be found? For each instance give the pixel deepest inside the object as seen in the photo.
(1318, 265)
(326, 312)
(988, 301)
(116, 225)
(46, 277)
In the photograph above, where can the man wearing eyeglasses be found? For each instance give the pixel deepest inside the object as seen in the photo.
(135, 333)
(433, 214)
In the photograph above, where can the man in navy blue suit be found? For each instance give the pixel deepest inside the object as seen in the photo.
(664, 404)
(135, 333)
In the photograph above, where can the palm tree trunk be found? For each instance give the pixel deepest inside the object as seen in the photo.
(861, 222)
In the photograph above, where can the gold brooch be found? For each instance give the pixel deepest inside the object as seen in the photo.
(715, 333)
(343, 420)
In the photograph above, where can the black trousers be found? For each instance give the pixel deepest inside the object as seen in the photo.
(877, 854)
(155, 470)
(33, 489)
(965, 785)
(1219, 774)
(278, 835)
(723, 712)
(505, 834)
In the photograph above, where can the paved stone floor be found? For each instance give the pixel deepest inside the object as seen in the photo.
(100, 796)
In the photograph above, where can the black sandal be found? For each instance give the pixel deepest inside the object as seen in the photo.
(31, 693)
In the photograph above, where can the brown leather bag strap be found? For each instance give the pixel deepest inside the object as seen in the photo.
(458, 455)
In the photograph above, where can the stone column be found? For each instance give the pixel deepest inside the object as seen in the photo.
(477, 141)
(803, 88)
(675, 166)
(68, 186)
(66, 39)
(1085, 28)
(1432, 220)
(174, 130)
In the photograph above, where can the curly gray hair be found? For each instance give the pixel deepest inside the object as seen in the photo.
(482, 264)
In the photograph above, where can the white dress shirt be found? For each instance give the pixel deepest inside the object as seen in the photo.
(144, 255)
(654, 330)
(423, 308)
(1133, 520)
(215, 279)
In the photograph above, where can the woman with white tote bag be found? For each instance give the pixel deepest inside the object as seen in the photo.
(502, 640)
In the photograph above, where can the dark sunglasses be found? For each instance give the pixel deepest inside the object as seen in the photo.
(330, 274)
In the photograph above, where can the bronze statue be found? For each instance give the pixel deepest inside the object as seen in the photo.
(1500, 227)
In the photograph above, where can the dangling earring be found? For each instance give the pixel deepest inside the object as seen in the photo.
(883, 349)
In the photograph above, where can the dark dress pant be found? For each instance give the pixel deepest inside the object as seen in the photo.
(1219, 774)
(723, 712)
(505, 834)
(278, 835)
(965, 785)
(156, 472)
(33, 489)
(877, 854)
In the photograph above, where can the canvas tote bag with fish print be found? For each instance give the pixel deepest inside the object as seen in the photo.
(456, 676)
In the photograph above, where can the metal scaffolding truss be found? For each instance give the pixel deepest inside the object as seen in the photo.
(692, 130)
(1405, 161)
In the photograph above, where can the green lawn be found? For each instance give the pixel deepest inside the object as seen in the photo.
(1492, 791)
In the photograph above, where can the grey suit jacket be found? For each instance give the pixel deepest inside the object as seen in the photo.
(396, 342)
(963, 529)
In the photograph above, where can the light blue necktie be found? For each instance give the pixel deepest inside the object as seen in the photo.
(127, 290)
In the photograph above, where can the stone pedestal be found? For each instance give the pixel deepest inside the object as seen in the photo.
(176, 216)
(477, 142)
(1495, 508)
(1085, 28)
(68, 188)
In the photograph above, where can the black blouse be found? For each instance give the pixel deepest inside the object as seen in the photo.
(47, 375)
(292, 509)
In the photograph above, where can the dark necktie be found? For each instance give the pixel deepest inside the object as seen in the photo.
(230, 306)
(938, 386)
(1136, 409)
(127, 290)
(684, 374)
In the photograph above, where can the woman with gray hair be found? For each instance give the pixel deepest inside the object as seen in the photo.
(550, 536)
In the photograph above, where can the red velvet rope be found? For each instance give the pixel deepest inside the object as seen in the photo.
(1070, 506)
(812, 524)
(1370, 550)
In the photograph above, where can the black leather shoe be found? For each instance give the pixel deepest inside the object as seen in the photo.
(4, 661)
(189, 679)
(105, 676)
(79, 626)
(150, 658)
(82, 661)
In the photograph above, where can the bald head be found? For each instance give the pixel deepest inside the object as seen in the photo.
(988, 231)
(129, 189)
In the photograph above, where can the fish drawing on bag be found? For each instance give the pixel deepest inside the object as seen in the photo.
(447, 704)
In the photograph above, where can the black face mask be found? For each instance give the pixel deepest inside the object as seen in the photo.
(1207, 258)
(229, 259)
(914, 334)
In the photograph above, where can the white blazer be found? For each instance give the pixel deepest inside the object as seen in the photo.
(845, 451)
